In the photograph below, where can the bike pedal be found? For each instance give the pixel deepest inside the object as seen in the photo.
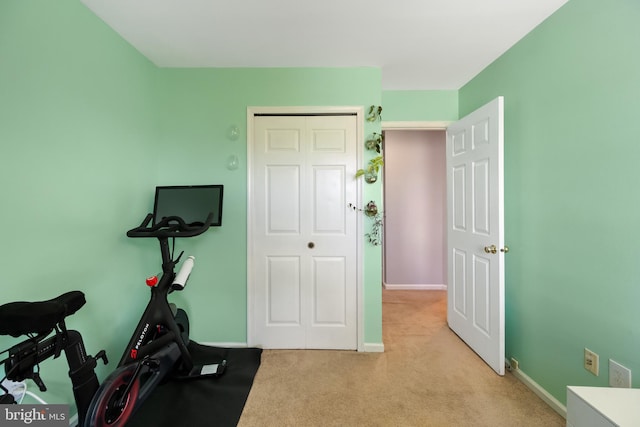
(215, 369)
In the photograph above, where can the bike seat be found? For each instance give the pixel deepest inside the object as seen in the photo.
(21, 318)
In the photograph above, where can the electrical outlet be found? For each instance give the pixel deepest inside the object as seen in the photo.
(591, 362)
(514, 364)
(619, 376)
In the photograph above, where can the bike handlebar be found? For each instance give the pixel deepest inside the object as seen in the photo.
(172, 226)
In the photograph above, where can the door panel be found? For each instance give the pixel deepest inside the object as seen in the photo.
(283, 195)
(457, 285)
(482, 290)
(480, 195)
(283, 298)
(329, 215)
(458, 189)
(475, 221)
(330, 291)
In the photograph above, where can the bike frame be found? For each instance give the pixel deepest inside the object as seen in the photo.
(158, 343)
(28, 353)
(158, 312)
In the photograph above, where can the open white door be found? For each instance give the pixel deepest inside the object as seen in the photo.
(475, 232)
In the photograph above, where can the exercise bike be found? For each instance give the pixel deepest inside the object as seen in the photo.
(156, 352)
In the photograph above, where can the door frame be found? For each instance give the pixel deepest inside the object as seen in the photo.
(443, 125)
(412, 125)
(306, 110)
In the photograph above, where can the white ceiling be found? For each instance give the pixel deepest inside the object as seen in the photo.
(418, 44)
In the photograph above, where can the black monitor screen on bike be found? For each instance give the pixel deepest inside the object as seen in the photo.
(192, 203)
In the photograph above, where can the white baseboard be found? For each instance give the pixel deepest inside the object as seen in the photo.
(541, 392)
(399, 287)
(367, 347)
(226, 344)
(373, 348)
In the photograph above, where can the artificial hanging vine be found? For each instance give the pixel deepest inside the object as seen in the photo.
(371, 211)
(371, 172)
(375, 113)
(375, 142)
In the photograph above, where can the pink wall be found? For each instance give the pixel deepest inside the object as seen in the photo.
(414, 207)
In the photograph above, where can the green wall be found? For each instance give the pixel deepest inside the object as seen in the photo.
(420, 105)
(198, 108)
(88, 127)
(572, 96)
(78, 113)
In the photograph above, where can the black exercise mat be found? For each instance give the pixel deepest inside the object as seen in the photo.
(204, 402)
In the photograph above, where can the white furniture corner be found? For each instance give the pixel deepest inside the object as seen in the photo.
(603, 407)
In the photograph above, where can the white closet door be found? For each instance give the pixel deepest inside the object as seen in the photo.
(304, 247)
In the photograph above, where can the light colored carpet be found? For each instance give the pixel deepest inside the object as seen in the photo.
(426, 377)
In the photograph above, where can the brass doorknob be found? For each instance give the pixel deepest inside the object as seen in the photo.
(310, 245)
(491, 249)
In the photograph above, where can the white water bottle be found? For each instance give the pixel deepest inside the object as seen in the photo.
(183, 275)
